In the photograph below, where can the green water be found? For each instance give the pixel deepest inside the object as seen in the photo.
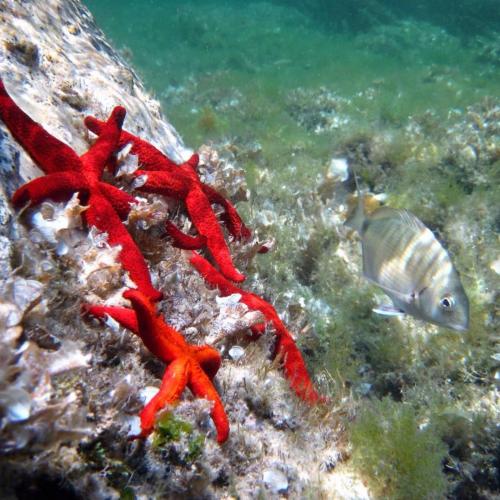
(411, 97)
(235, 63)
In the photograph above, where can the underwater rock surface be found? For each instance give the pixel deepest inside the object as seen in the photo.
(70, 389)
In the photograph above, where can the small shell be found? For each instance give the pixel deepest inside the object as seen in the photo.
(139, 181)
(236, 352)
(275, 480)
(339, 169)
(16, 403)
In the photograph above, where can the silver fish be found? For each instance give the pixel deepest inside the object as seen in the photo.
(403, 257)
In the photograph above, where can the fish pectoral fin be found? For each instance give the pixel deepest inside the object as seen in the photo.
(388, 310)
(402, 297)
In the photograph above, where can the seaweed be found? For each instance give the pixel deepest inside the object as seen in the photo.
(400, 454)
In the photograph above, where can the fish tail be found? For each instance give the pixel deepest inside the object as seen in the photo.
(356, 218)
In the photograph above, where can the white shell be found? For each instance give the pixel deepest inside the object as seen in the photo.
(339, 168)
(236, 352)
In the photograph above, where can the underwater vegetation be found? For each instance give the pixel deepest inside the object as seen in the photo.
(411, 106)
(400, 454)
(406, 95)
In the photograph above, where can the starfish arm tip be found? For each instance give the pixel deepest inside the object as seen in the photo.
(118, 114)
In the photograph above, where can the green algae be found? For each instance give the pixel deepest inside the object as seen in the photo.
(171, 429)
(128, 494)
(102, 455)
(400, 454)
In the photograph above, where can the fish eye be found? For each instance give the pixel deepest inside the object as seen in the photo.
(447, 303)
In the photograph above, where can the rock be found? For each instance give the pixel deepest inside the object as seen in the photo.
(275, 480)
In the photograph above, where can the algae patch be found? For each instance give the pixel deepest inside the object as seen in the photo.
(400, 455)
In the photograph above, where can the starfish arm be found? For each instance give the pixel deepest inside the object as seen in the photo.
(173, 185)
(231, 218)
(293, 363)
(173, 383)
(150, 158)
(201, 386)
(158, 336)
(206, 223)
(212, 277)
(192, 162)
(208, 358)
(49, 153)
(257, 330)
(56, 186)
(119, 199)
(125, 316)
(102, 215)
(95, 159)
(183, 240)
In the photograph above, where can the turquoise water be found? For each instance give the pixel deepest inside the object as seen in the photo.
(410, 96)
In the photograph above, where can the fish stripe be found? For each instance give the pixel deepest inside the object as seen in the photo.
(400, 253)
(403, 257)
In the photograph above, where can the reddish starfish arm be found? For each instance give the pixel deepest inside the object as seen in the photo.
(189, 365)
(119, 199)
(206, 223)
(183, 240)
(200, 212)
(126, 317)
(159, 337)
(173, 185)
(151, 158)
(49, 153)
(208, 358)
(102, 215)
(55, 186)
(172, 386)
(100, 152)
(202, 387)
(293, 362)
(231, 218)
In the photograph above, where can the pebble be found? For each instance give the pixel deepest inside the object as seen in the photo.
(236, 352)
(275, 480)
(339, 168)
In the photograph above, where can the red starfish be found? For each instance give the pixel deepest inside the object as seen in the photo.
(293, 363)
(67, 173)
(183, 183)
(194, 366)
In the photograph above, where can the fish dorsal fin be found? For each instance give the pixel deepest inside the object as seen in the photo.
(357, 217)
(412, 221)
(402, 216)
